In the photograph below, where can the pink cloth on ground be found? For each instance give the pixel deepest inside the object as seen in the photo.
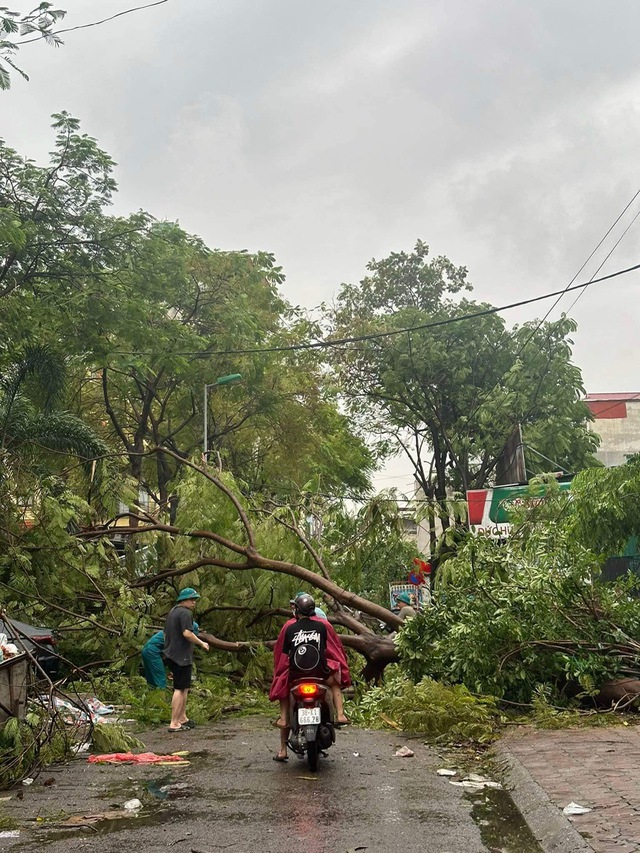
(132, 758)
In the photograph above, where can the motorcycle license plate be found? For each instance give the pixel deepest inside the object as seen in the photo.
(308, 716)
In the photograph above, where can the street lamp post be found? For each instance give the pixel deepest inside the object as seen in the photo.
(221, 380)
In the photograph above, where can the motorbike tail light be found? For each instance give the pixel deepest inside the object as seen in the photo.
(308, 690)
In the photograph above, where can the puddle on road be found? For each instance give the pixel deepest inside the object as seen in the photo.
(104, 827)
(158, 807)
(502, 827)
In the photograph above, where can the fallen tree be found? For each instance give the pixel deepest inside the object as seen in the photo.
(232, 544)
(533, 616)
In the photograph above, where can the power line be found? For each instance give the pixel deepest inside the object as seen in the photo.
(377, 335)
(568, 288)
(615, 246)
(93, 23)
(591, 281)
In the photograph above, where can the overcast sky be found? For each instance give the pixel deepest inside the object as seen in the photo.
(504, 134)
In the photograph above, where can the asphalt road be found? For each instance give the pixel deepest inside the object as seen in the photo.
(234, 797)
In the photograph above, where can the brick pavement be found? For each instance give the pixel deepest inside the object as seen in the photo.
(599, 768)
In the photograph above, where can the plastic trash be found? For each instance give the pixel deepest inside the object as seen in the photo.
(27, 781)
(476, 786)
(132, 805)
(444, 772)
(97, 707)
(404, 752)
(575, 808)
(10, 833)
(174, 786)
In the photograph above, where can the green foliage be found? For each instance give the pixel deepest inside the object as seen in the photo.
(545, 715)
(368, 549)
(210, 698)
(36, 741)
(454, 392)
(444, 714)
(145, 312)
(111, 737)
(510, 617)
(39, 23)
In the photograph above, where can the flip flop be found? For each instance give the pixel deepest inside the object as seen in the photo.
(188, 724)
(342, 725)
(281, 758)
(179, 729)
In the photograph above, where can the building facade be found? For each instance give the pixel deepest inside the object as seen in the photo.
(617, 422)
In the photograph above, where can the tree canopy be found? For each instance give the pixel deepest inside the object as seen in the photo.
(449, 396)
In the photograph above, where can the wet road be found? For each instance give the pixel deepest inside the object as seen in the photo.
(234, 797)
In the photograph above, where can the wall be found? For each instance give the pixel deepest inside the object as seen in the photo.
(617, 422)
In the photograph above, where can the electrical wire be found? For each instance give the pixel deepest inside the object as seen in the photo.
(569, 288)
(93, 23)
(615, 246)
(392, 332)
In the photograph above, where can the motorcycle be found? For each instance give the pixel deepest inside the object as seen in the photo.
(311, 715)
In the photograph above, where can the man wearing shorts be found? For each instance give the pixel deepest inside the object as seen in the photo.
(179, 640)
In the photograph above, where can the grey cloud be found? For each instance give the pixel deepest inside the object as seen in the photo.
(503, 133)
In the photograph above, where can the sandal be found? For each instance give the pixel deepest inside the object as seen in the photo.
(188, 724)
(281, 758)
(178, 729)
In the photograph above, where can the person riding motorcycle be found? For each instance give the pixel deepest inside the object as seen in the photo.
(320, 655)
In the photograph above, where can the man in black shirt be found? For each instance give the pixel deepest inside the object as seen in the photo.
(305, 644)
(179, 640)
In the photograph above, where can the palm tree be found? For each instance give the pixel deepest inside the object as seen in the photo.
(31, 389)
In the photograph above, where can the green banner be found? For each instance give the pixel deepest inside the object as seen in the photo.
(504, 499)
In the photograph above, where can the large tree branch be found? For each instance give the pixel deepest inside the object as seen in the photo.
(244, 518)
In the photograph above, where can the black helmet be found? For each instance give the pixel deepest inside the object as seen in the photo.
(304, 604)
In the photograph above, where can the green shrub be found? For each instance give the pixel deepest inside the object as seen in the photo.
(209, 699)
(442, 713)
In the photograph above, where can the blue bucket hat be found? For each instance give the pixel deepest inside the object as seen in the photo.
(403, 596)
(187, 594)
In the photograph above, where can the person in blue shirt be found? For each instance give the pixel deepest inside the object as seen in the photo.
(154, 668)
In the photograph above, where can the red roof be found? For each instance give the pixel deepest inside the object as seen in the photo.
(624, 397)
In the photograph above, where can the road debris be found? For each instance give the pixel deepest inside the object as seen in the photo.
(444, 772)
(473, 781)
(78, 821)
(575, 808)
(404, 752)
(136, 758)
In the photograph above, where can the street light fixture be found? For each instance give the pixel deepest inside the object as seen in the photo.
(221, 380)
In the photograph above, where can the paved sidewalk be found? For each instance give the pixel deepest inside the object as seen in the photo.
(598, 768)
